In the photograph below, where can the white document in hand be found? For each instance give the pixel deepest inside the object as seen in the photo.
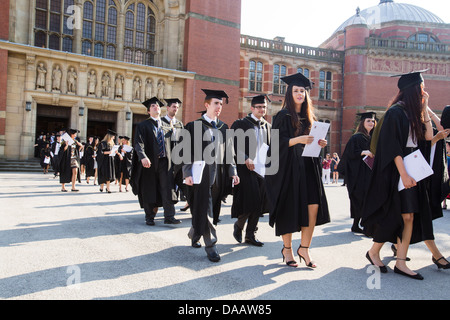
(127, 148)
(260, 160)
(66, 137)
(113, 150)
(416, 166)
(318, 131)
(197, 171)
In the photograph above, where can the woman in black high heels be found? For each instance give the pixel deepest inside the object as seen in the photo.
(390, 215)
(296, 193)
(106, 170)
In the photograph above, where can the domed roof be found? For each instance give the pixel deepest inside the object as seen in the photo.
(388, 10)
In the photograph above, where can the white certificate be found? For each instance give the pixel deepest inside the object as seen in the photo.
(113, 150)
(197, 171)
(416, 166)
(319, 131)
(127, 148)
(260, 160)
(66, 137)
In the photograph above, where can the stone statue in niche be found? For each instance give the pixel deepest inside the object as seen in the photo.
(119, 86)
(92, 83)
(71, 80)
(161, 87)
(56, 77)
(137, 88)
(40, 80)
(106, 84)
(148, 89)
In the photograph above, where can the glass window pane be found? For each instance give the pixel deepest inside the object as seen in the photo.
(258, 86)
(112, 16)
(306, 73)
(259, 76)
(55, 6)
(67, 44)
(55, 22)
(139, 57)
(251, 86)
(98, 50)
(99, 32)
(150, 59)
(251, 76)
(88, 11)
(67, 4)
(112, 34)
(41, 4)
(329, 75)
(259, 66)
(128, 38)
(111, 52)
(139, 40)
(66, 29)
(322, 75)
(252, 65)
(129, 20)
(283, 70)
(151, 24)
(53, 42)
(40, 39)
(140, 17)
(127, 55)
(86, 48)
(150, 42)
(87, 29)
(100, 11)
(422, 37)
(41, 19)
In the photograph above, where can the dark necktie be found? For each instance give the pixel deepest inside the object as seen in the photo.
(213, 123)
(160, 139)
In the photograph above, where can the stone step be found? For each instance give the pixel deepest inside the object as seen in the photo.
(32, 165)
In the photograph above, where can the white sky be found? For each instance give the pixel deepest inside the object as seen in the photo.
(317, 19)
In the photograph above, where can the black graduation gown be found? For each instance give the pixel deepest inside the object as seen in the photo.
(439, 182)
(288, 188)
(357, 172)
(198, 194)
(249, 196)
(143, 180)
(175, 181)
(125, 166)
(105, 164)
(55, 159)
(65, 173)
(381, 218)
(44, 153)
(89, 160)
(117, 164)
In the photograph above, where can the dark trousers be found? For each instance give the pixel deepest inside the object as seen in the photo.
(162, 182)
(252, 221)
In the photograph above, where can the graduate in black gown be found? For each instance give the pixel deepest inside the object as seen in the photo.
(357, 171)
(296, 193)
(249, 196)
(125, 163)
(69, 161)
(89, 155)
(45, 157)
(105, 162)
(389, 215)
(55, 147)
(208, 144)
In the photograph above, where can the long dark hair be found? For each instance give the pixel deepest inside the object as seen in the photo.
(306, 110)
(412, 98)
(363, 129)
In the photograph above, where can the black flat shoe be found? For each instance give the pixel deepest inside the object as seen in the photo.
(253, 241)
(172, 220)
(237, 233)
(310, 264)
(416, 276)
(292, 263)
(185, 208)
(101, 190)
(74, 190)
(383, 269)
(440, 265)
(394, 250)
(63, 190)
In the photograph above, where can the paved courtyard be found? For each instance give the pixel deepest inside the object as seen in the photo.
(92, 245)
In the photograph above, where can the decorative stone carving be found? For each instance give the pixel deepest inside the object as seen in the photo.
(137, 88)
(56, 78)
(148, 89)
(119, 86)
(106, 84)
(71, 80)
(160, 90)
(92, 83)
(40, 80)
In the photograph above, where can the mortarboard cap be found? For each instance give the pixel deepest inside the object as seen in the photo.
(409, 79)
(126, 138)
(73, 131)
(297, 79)
(217, 94)
(367, 115)
(174, 100)
(259, 99)
(445, 118)
(151, 101)
(111, 132)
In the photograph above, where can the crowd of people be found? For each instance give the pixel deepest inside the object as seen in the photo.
(169, 161)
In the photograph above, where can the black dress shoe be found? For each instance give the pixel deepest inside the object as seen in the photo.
(150, 222)
(416, 276)
(172, 220)
(196, 243)
(383, 269)
(254, 241)
(237, 233)
(212, 254)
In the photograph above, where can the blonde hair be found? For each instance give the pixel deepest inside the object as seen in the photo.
(109, 139)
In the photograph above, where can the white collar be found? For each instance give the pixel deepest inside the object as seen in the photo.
(209, 119)
(173, 120)
(254, 118)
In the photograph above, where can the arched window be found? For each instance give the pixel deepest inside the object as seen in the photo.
(99, 37)
(304, 71)
(255, 77)
(140, 31)
(325, 88)
(426, 40)
(51, 27)
(279, 71)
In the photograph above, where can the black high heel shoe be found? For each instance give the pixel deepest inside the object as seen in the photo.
(440, 265)
(292, 263)
(394, 250)
(185, 208)
(311, 263)
(383, 269)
